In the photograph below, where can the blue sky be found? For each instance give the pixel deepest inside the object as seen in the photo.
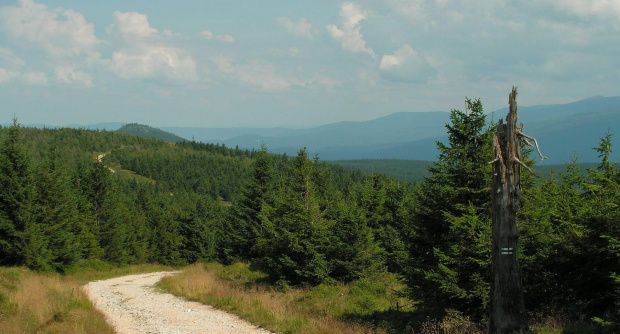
(296, 63)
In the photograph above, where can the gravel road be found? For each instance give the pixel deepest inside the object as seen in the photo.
(132, 306)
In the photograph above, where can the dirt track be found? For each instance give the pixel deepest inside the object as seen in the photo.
(132, 306)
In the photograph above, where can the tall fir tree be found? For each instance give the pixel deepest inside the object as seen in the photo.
(450, 237)
(238, 237)
(69, 238)
(21, 239)
(293, 246)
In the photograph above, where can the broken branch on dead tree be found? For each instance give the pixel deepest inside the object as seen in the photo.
(524, 166)
(526, 137)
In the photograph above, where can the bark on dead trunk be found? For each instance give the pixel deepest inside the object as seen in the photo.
(507, 303)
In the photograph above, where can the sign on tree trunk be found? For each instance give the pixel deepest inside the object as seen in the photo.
(508, 313)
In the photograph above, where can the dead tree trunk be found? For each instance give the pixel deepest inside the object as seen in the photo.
(507, 303)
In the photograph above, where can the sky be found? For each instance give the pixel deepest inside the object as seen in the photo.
(230, 63)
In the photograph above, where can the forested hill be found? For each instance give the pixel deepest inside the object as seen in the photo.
(146, 131)
(79, 198)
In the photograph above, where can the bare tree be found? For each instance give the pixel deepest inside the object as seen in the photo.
(508, 313)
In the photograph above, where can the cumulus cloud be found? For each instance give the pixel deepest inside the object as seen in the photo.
(132, 26)
(31, 78)
(349, 35)
(58, 32)
(7, 75)
(585, 9)
(266, 77)
(71, 75)
(206, 34)
(8, 57)
(263, 76)
(35, 78)
(410, 8)
(144, 55)
(255, 74)
(154, 62)
(301, 27)
(406, 65)
(11, 68)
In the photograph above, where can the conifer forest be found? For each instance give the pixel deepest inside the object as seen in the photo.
(76, 198)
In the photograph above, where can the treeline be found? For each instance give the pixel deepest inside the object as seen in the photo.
(307, 223)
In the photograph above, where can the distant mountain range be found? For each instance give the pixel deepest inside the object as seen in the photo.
(563, 131)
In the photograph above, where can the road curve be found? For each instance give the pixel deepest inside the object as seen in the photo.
(132, 306)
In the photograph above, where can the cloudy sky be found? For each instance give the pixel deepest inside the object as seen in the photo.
(223, 63)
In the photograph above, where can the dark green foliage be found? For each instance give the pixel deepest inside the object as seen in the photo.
(413, 171)
(450, 242)
(243, 226)
(18, 230)
(352, 252)
(293, 245)
(571, 233)
(70, 238)
(305, 222)
(70, 208)
(386, 206)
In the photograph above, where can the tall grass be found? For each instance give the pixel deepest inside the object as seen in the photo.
(32, 302)
(322, 309)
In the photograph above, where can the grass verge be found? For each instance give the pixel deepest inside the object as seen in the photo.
(32, 302)
(322, 309)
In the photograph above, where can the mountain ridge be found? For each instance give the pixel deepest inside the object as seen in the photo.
(563, 131)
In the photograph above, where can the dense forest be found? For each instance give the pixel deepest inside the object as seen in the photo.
(75, 198)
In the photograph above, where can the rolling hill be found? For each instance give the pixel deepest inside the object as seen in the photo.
(146, 131)
(563, 131)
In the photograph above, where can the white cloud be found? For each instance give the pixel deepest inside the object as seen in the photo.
(7, 56)
(585, 9)
(7, 75)
(406, 65)
(224, 64)
(349, 35)
(367, 78)
(266, 77)
(70, 75)
(263, 76)
(35, 78)
(145, 55)
(58, 32)
(301, 27)
(31, 78)
(413, 9)
(206, 34)
(133, 26)
(154, 62)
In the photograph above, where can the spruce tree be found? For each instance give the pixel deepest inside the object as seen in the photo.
(450, 237)
(242, 227)
(57, 212)
(21, 239)
(295, 238)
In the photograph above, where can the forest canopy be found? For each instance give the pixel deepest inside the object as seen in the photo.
(75, 198)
